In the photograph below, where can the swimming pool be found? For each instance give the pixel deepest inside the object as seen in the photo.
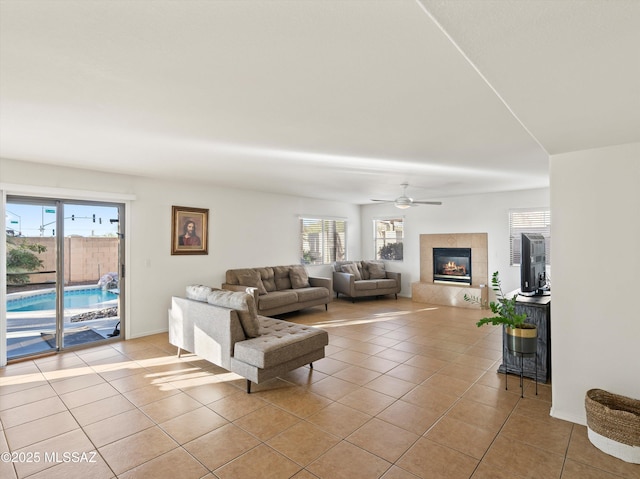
(75, 298)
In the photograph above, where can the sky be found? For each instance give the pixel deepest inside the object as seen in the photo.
(40, 220)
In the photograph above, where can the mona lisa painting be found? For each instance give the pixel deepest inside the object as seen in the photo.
(189, 230)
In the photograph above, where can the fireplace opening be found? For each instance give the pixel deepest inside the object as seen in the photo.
(452, 265)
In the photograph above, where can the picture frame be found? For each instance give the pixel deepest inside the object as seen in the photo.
(189, 230)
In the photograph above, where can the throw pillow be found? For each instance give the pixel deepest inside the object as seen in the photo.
(376, 270)
(250, 277)
(299, 277)
(281, 277)
(352, 268)
(198, 292)
(268, 278)
(243, 303)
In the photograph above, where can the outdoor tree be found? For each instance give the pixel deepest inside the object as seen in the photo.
(391, 251)
(22, 258)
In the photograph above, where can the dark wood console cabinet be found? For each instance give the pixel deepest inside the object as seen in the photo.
(538, 310)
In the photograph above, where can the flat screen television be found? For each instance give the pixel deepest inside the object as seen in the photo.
(533, 277)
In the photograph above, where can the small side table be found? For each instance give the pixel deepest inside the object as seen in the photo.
(521, 356)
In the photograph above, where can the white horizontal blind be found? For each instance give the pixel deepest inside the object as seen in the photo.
(528, 221)
(322, 240)
(389, 236)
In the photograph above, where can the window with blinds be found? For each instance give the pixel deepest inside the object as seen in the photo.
(322, 240)
(528, 221)
(389, 238)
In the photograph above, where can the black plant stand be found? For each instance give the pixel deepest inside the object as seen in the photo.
(521, 356)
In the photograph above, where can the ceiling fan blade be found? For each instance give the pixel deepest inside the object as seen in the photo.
(428, 202)
(384, 201)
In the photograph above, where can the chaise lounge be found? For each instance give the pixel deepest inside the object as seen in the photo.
(223, 328)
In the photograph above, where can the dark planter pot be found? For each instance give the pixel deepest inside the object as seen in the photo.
(523, 340)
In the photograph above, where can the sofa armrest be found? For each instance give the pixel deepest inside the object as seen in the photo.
(244, 289)
(397, 277)
(321, 282)
(344, 283)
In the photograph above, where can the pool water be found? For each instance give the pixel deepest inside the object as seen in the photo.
(82, 298)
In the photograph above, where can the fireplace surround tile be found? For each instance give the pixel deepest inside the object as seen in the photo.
(452, 294)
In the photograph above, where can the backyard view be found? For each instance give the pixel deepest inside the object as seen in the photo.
(62, 291)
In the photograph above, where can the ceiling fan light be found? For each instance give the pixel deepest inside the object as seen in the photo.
(402, 206)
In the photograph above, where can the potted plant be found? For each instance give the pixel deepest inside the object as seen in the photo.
(522, 337)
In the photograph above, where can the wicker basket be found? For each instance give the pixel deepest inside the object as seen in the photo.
(615, 418)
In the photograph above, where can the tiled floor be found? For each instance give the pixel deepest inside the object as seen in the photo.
(407, 390)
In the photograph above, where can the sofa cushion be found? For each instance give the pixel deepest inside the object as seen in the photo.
(352, 268)
(386, 283)
(366, 285)
(281, 277)
(250, 277)
(279, 342)
(376, 269)
(299, 277)
(198, 292)
(268, 278)
(277, 299)
(311, 293)
(243, 303)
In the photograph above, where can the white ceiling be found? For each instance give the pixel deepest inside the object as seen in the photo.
(336, 99)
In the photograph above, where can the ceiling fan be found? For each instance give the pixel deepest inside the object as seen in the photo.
(404, 201)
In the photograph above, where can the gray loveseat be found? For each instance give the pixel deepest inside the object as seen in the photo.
(280, 289)
(223, 328)
(357, 279)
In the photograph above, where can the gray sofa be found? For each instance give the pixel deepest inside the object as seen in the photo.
(223, 328)
(280, 289)
(357, 279)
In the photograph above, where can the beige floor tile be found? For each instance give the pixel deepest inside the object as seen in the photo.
(77, 381)
(74, 441)
(173, 465)
(146, 395)
(339, 420)
(26, 396)
(303, 442)
(297, 401)
(193, 424)
(477, 414)
(396, 472)
(379, 364)
(411, 374)
(356, 375)
(549, 433)
(87, 465)
(488, 472)
(267, 422)
(40, 430)
(329, 365)
(408, 416)
(432, 398)
(170, 407)
(346, 461)
(238, 405)
(221, 446)
(394, 355)
(32, 411)
(261, 462)
(429, 460)
(117, 427)
(367, 401)
(390, 386)
(102, 409)
(333, 388)
(383, 439)
(90, 394)
(498, 398)
(137, 449)
(523, 459)
(465, 438)
(210, 392)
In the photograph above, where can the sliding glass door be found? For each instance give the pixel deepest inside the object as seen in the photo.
(64, 260)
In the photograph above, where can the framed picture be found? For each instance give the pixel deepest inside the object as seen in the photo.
(189, 230)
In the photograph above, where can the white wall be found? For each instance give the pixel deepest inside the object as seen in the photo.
(488, 213)
(246, 229)
(595, 325)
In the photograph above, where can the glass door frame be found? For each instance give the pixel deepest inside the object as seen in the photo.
(121, 201)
